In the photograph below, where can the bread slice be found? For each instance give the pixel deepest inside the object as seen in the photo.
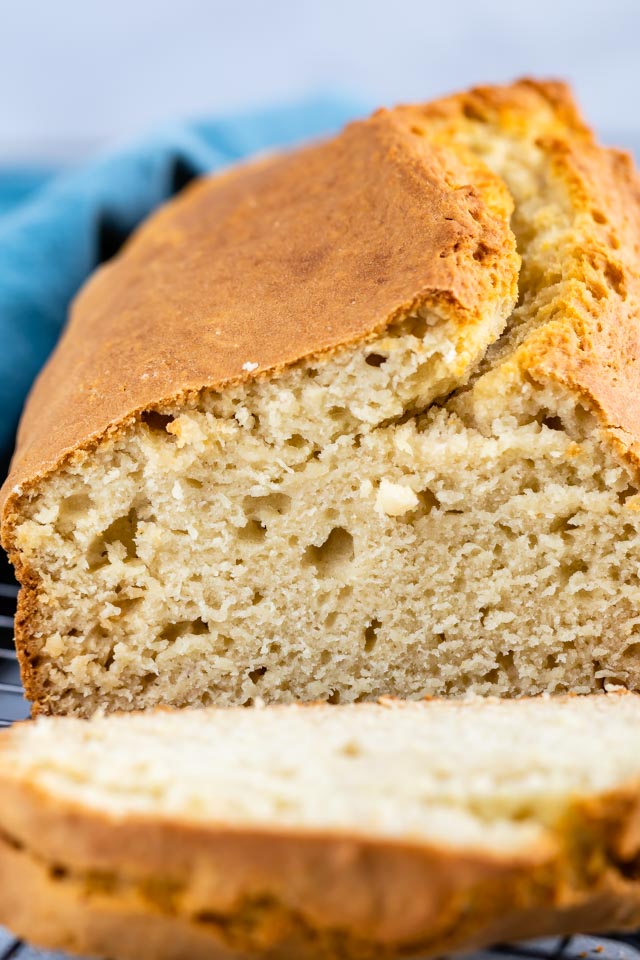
(297, 442)
(366, 830)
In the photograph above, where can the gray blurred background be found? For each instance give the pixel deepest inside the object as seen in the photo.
(76, 74)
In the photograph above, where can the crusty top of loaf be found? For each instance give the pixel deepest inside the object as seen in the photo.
(301, 254)
(289, 257)
(591, 343)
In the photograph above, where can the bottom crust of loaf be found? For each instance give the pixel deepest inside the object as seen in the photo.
(100, 915)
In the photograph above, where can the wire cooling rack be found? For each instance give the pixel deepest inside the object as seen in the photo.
(14, 707)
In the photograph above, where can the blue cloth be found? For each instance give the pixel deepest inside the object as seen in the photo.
(50, 244)
(17, 184)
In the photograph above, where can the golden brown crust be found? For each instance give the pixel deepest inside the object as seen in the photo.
(593, 349)
(332, 880)
(515, 108)
(65, 913)
(591, 343)
(26, 650)
(139, 888)
(287, 258)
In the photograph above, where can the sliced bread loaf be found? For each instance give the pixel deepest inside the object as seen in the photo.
(297, 442)
(367, 830)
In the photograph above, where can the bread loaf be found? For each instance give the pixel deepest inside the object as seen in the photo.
(366, 830)
(361, 419)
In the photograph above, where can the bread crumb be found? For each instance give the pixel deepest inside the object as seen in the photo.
(54, 646)
(394, 499)
(186, 430)
(47, 514)
(249, 366)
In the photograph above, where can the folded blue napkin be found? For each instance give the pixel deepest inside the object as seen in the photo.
(50, 243)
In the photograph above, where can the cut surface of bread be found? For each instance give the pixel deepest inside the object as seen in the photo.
(355, 421)
(364, 830)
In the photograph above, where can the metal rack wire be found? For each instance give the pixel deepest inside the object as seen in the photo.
(14, 707)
